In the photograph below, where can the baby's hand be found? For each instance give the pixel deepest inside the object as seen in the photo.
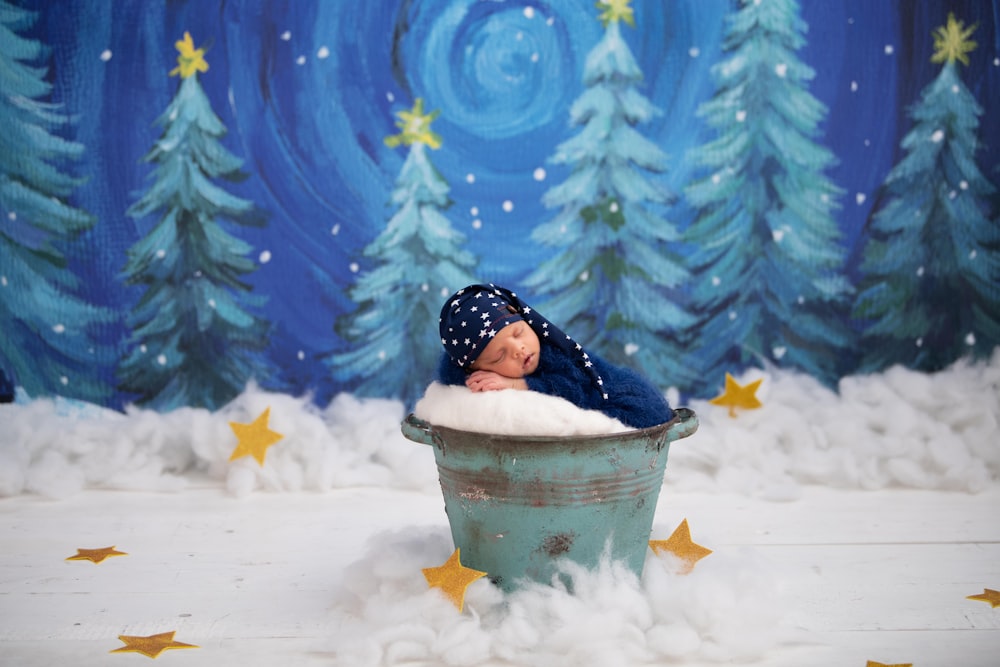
(490, 381)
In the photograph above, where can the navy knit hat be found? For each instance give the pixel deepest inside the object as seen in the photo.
(473, 315)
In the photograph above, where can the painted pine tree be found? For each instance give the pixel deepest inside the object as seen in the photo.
(419, 262)
(612, 280)
(195, 340)
(47, 332)
(767, 263)
(931, 266)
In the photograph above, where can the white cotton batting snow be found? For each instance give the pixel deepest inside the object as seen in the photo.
(510, 412)
(894, 429)
(730, 608)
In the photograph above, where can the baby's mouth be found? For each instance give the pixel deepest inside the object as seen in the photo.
(527, 361)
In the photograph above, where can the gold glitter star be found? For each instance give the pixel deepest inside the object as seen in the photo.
(988, 595)
(679, 544)
(615, 10)
(150, 646)
(96, 555)
(736, 395)
(452, 578)
(872, 663)
(254, 438)
(951, 42)
(190, 60)
(415, 127)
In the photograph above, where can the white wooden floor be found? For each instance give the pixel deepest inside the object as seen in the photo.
(881, 576)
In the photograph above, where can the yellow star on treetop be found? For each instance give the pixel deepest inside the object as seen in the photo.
(415, 127)
(254, 438)
(738, 396)
(951, 42)
(96, 555)
(615, 10)
(150, 646)
(679, 544)
(452, 578)
(988, 595)
(190, 60)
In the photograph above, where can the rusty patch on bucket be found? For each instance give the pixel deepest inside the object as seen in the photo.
(558, 544)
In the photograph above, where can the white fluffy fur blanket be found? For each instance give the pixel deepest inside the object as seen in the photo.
(510, 412)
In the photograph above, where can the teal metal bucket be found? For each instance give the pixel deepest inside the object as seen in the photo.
(519, 504)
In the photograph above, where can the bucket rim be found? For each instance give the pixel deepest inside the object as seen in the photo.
(682, 417)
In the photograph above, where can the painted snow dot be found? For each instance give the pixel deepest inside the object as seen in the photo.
(716, 281)
(854, 86)
(470, 178)
(954, 89)
(59, 328)
(539, 174)
(741, 116)
(335, 229)
(860, 198)
(825, 198)
(694, 52)
(389, 96)
(996, 62)
(952, 194)
(142, 348)
(781, 69)
(972, 254)
(963, 185)
(801, 300)
(161, 253)
(3, 280)
(970, 339)
(285, 36)
(529, 12)
(550, 21)
(445, 291)
(535, 57)
(162, 360)
(938, 136)
(779, 351)
(323, 53)
(507, 206)
(614, 207)
(777, 235)
(425, 287)
(64, 380)
(12, 216)
(889, 49)
(265, 257)
(381, 355)
(919, 342)
(732, 315)
(301, 355)
(211, 304)
(301, 60)
(920, 271)
(630, 349)
(105, 55)
(476, 224)
(584, 276)
(868, 142)
(716, 178)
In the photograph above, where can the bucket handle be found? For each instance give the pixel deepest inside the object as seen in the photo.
(686, 424)
(421, 431)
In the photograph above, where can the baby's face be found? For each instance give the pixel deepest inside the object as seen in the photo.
(513, 352)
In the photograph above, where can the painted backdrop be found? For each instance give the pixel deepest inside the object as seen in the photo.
(199, 194)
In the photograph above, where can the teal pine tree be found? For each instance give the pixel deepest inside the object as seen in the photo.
(47, 333)
(611, 282)
(418, 262)
(932, 262)
(767, 261)
(195, 340)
